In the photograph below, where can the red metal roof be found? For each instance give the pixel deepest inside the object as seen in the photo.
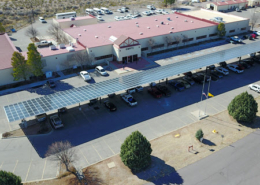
(6, 51)
(230, 2)
(98, 34)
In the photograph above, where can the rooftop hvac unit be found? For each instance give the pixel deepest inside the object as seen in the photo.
(70, 49)
(157, 26)
(52, 47)
(161, 22)
(85, 30)
(109, 26)
(176, 16)
(191, 21)
(168, 18)
(172, 28)
(148, 27)
(62, 46)
(136, 22)
(137, 25)
(167, 23)
(141, 33)
(79, 34)
(155, 19)
(96, 36)
(185, 20)
(170, 31)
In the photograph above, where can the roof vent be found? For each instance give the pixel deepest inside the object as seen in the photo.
(137, 25)
(157, 26)
(136, 22)
(148, 27)
(79, 34)
(185, 20)
(176, 16)
(85, 30)
(141, 33)
(172, 28)
(109, 26)
(168, 18)
(167, 23)
(191, 21)
(96, 36)
(170, 31)
(161, 22)
(155, 19)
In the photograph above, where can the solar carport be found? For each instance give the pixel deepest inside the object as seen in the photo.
(74, 96)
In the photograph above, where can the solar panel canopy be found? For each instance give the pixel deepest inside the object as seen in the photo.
(73, 96)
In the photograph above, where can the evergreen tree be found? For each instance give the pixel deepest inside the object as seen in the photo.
(221, 30)
(20, 67)
(2, 29)
(199, 134)
(34, 60)
(243, 108)
(136, 152)
(8, 178)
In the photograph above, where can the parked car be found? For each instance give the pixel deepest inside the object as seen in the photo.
(120, 10)
(256, 32)
(159, 10)
(165, 12)
(216, 74)
(244, 37)
(254, 87)
(85, 75)
(234, 68)
(152, 84)
(151, 12)
(188, 74)
(139, 89)
(176, 85)
(150, 7)
(245, 64)
(184, 83)
(164, 90)
(255, 59)
(129, 99)
(110, 106)
(56, 121)
(155, 92)
(146, 13)
(223, 64)
(198, 79)
(189, 80)
(240, 66)
(42, 20)
(130, 91)
(100, 18)
(207, 79)
(62, 110)
(101, 70)
(51, 83)
(249, 61)
(222, 70)
(41, 117)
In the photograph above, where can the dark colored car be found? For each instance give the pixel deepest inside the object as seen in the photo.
(245, 65)
(176, 85)
(188, 74)
(202, 75)
(223, 64)
(198, 79)
(240, 66)
(155, 92)
(212, 67)
(62, 110)
(245, 37)
(249, 61)
(51, 83)
(110, 106)
(164, 90)
(216, 74)
(189, 80)
(255, 59)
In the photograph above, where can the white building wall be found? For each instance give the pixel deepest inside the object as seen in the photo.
(76, 22)
(7, 77)
(127, 51)
(237, 27)
(101, 51)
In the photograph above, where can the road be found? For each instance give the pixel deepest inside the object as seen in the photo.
(236, 164)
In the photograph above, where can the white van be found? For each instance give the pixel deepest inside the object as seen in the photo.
(105, 10)
(98, 11)
(151, 7)
(89, 11)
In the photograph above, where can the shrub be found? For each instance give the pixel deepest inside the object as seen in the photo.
(243, 108)
(6, 134)
(136, 152)
(199, 134)
(8, 178)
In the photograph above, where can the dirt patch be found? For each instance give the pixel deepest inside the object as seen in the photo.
(170, 152)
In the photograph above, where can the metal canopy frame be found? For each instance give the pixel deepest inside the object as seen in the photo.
(58, 100)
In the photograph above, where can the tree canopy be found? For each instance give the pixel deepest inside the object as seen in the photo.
(20, 67)
(243, 108)
(136, 152)
(8, 178)
(221, 29)
(34, 60)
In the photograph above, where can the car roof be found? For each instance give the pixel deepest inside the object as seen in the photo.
(84, 72)
(99, 67)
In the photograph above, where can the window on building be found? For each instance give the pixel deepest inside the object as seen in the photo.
(103, 57)
(158, 46)
(213, 35)
(144, 49)
(243, 28)
(201, 37)
(231, 31)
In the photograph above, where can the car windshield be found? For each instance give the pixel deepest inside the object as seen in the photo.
(102, 70)
(51, 82)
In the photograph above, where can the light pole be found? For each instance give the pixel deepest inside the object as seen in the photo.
(203, 88)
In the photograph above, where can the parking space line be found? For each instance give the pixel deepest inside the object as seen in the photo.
(109, 146)
(28, 171)
(117, 138)
(44, 167)
(97, 151)
(83, 155)
(15, 165)
(1, 165)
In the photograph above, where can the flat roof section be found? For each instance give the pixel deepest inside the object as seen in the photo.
(209, 14)
(98, 34)
(7, 49)
(76, 18)
(230, 2)
(74, 96)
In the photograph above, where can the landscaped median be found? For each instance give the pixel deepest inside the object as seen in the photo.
(170, 152)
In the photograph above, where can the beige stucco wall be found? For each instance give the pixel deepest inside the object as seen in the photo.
(226, 7)
(6, 76)
(81, 22)
(127, 51)
(237, 27)
(254, 2)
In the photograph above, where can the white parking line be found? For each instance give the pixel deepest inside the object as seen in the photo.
(83, 155)
(28, 171)
(1, 165)
(44, 167)
(15, 165)
(117, 138)
(109, 146)
(97, 151)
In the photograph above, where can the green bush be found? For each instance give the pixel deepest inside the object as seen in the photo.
(136, 152)
(199, 134)
(8, 178)
(243, 108)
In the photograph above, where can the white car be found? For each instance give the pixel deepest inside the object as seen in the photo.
(127, 17)
(120, 10)
(134, 16)
(151, 12)
(165, 13)
(257, 32)
(234, 68)
(222, 70)
(146, 13)
(100, 18)
(159, 10)
(101, 70)
(42, 20)
(254, 87)
(56, 121)
(129, 99)
(85, 75)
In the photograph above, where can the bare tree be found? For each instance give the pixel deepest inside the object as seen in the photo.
(64, 153)
(177, 40)
(254, 18)
(57, 33)
(185, 39)
(151, 43)
(82, 58)
(31, 32)
(31, 5)
(169, 40)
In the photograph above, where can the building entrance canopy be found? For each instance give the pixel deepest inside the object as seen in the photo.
(74, 96)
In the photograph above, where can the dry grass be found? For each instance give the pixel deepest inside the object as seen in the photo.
(171, 153)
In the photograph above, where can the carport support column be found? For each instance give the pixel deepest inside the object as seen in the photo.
(79, 107)
(203, 87)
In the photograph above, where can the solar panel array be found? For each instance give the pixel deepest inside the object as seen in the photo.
(58, 100)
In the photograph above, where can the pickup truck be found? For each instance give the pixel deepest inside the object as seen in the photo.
(128, 98)
(43, 43)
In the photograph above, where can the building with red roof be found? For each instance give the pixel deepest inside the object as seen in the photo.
(228, 5)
